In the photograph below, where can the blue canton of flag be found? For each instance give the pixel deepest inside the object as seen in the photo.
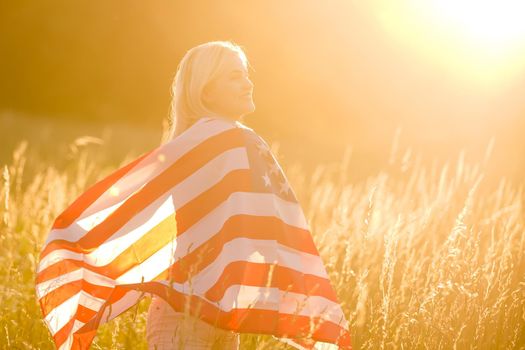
(268, 176)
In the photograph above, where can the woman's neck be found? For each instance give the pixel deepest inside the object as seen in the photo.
(223, 116)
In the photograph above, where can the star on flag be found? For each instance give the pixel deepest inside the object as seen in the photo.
(267, 181)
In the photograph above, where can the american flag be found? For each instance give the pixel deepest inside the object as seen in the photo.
(207, 221)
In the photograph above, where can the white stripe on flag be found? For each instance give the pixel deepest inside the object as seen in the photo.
(132, 231)
(271, 298)
(127, 301)
(67, 343)
(42, 289)
(286, 302)
(59, 316)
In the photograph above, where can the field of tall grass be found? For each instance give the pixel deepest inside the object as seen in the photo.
(421, 258)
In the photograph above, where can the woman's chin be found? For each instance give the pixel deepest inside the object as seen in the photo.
(250, 108)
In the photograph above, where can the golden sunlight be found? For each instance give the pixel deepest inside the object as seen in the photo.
(482, 39)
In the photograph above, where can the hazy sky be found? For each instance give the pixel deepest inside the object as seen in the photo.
(327, 73)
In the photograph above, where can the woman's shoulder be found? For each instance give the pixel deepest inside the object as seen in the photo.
(251, 135)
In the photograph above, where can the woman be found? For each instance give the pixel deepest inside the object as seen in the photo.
(215, 187)
(211, 81)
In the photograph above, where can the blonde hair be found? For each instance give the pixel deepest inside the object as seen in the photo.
(200, 65)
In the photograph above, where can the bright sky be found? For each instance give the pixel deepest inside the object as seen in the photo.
(482, 41)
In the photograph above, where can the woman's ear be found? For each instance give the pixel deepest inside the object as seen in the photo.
(205, 93)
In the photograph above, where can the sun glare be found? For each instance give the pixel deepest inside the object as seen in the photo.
(481, 39)
(497, 27)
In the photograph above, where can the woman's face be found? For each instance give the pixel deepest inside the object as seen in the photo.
(230, 93)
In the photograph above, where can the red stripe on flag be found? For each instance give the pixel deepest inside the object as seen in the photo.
(84, 314)
(193, 211)
(58, 269)
(257, 274)
(66, 291)
(62, 334)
